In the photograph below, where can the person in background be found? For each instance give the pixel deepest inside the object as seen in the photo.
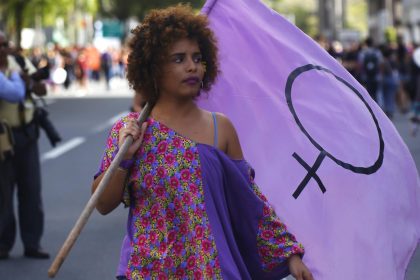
(26, 173)
(389, 81)
(106, 67)
(12, 89)
(403, 57)
(351, 60)
(415, 95)
(370, 59)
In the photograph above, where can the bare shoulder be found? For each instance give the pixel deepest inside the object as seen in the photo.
(228, 137)
(225, 124)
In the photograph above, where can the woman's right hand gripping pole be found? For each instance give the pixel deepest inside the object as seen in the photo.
(113, 193)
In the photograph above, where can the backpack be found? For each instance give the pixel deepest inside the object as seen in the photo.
(371, 64)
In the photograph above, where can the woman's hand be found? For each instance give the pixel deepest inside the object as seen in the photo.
(298, 269)
(132, 128)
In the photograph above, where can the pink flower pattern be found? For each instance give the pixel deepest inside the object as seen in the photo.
(165, 222)
(275, 243)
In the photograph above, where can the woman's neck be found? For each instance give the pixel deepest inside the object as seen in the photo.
(170, 110)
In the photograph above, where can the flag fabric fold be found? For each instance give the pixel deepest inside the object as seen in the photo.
(325, 155)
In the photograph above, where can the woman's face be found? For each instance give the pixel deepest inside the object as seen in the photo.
(182, 70)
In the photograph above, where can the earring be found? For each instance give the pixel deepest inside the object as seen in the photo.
(202, 84)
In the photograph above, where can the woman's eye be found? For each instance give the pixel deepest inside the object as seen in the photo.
(178, 58)
(197, 59)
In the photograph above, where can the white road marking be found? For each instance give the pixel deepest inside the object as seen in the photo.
(45, 101)
(63, 148)
(109, 122)
(73, 143)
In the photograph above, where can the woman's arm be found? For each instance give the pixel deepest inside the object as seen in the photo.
(113, 193)
(229, 138)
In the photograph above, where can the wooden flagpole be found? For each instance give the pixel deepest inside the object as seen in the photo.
(90, 206)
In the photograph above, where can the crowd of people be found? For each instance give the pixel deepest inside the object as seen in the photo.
(80, 64)
(389, 72)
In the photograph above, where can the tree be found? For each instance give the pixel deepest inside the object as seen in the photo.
(303, 12)
(123, 9)
(357, 16)
(24, 13)
(17, 14)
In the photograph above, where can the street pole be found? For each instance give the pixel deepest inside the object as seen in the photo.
(327, 18)
(344, 13)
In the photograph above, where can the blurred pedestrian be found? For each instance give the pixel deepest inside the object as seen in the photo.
(415, 113)
(403, 58)
(106, 66)
(37, 58)
(68, 67)
(389, 82)
(93, 57)
(180, 224)
(26, 166)
(81, 69)
(12, 89)
(370, 59)
(351, 60)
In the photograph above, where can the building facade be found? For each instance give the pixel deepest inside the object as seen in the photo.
(411, 20)
(332, 17)
(403, 15)
(382, 15)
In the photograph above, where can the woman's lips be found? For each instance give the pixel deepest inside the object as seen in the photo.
(191, 81)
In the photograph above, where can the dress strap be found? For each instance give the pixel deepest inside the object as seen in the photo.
(215, 129)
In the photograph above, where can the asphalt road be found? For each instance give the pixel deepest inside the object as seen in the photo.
(66, 189)
(67, 177)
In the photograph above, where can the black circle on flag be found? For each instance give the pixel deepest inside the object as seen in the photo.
(323, 152)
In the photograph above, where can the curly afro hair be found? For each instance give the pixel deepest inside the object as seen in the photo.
(152, 39)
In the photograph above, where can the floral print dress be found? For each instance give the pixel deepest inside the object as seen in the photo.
(195, 213)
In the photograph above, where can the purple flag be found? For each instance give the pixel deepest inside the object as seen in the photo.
(326, 156)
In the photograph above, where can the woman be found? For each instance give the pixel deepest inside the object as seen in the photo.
(195, 211)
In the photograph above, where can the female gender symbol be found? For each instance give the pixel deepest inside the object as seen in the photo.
(323, 153)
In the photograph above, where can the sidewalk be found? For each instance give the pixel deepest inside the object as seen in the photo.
(94, 89)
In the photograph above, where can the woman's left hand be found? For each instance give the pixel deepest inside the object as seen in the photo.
(298, 269)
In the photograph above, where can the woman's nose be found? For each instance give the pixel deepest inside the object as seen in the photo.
(191, 65)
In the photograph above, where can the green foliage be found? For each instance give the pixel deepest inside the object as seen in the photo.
(123, 9)
(305, 19)
(47, 10)
(357, 16)
(25, 13)
(303, 12)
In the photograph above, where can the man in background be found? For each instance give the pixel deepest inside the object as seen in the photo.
(370, 59)
(25, 173)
